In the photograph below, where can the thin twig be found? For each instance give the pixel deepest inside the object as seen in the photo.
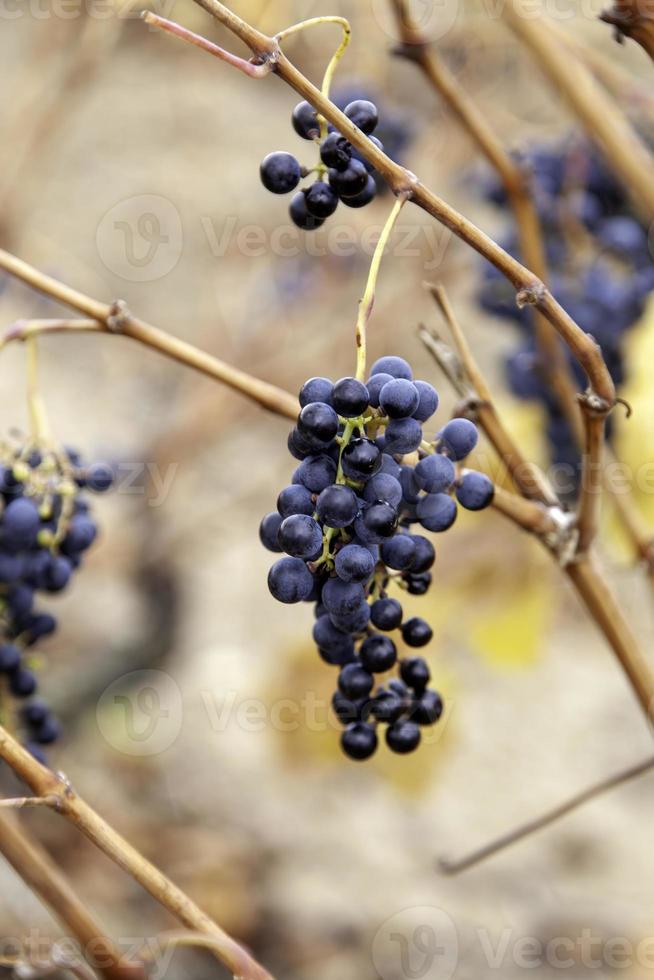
(171, 27)
(21, 802)
(526, 475)
(115, 318)
(530, 515)
(45, 783)
(545, 820)
(591, 480)
(39, 872)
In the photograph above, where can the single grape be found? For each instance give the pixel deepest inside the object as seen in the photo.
(353, 620)
(337, 506)
(289, 580)
(397, 367)
(381, 519)
(415, 673)
(437, 512)
(378, 653)
(301, 537)
(403, 436)
(386, 614)
(427, 708)
(475, 491)
(316, 473)
(316, 390)
(350, 397)
(398, 552)
(22, 682)
(295, 499)
(387, 706)
(342, 597)
(280, 173)
(361, 459)
(336, 152)
(363, 114)
(399, 398)
(458, 438)
(305, 121)
(354, 563)
(349, 182)
(364, 197)
(418, 584)
(435, 474)
(416, 632)
(403, 737)
(384, 487)
(301, 216)
(320, 200)
(318, 424)
(355, 682)
(359, 741)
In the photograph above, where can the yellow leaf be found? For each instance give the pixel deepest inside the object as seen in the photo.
(509, 634)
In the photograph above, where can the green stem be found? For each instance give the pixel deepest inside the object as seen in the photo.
(333, 64)
(38, 417)
(368, 300)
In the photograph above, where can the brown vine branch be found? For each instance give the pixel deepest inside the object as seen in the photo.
(580, 569)
(594, 107)
(44, 878)
(417, 49)
(42, 782)
(591, 476)
(247, 67)
(115, 318)
(634, 19)
(530, 515)
(526, 475)
(402, 181)
(545, 820)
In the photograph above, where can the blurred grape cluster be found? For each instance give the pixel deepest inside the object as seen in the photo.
(600, 267)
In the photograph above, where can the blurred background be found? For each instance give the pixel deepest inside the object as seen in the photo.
(129, 168)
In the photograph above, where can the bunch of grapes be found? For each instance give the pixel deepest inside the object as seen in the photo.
(45, 529)
(601, 271)
(365, 476)
(349, 176)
